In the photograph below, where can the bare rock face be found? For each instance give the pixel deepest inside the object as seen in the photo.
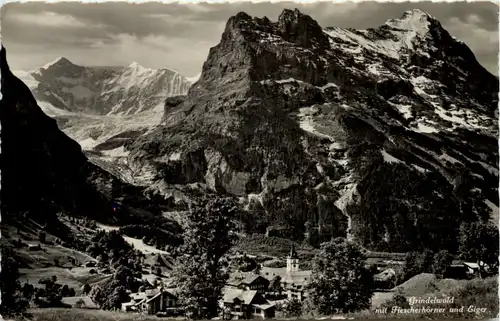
(302, 30)
(357, 133)
(219, 176)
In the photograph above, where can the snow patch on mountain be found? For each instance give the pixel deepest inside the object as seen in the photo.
(414, 23)
(450, 159)
(175, 156)
(306, 121)
(94, 104)
(81, 127)
(389, 158)
(494, 211)
(194, 79)
(57, 61)
(424, 128)
(409, 30)
(117, 152)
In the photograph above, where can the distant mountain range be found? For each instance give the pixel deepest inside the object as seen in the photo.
(103, 90)
(93, 104)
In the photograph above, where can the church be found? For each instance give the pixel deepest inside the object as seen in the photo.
(293, 279)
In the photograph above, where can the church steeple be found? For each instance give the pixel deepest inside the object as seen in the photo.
(292, 261)
(293, 253)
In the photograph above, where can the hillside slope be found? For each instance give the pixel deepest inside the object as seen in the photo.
(385, 135)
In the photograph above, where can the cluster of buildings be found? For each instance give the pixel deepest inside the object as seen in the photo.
(255, 296)
(246, 295)
(292, 279)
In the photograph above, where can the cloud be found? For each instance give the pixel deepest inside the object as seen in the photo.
(50, 28)
(47, 18)
(159, 50)
(483, 43)
(179, 35)
(473, 19)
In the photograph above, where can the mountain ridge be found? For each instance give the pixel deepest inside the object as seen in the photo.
(288, 109)
(101, 90)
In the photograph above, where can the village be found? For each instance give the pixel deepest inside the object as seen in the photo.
(247, 295)
(267, 277)
(258, 294)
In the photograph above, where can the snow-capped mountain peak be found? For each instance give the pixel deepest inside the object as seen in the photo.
(136, 65)
(137, 73)
(414, 20)
(61, 61)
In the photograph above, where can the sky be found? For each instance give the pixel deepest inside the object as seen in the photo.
(179, 36)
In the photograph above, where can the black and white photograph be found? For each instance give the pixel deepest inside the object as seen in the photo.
(249, 160)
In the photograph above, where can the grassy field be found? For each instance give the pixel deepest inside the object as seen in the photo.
(74, 278)
(60, 314)
(97, 315)
(52, 259)
(479, 293)
(421, 285)
(259, 244)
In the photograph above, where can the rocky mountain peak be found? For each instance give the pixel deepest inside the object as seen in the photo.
(39, 159)
(45, 173)
(414, 20)
(5, 71)
(293, 115)
(301, 29)
(59, 63)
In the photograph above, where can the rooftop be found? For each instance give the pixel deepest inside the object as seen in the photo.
(230, 294)
(270, 273)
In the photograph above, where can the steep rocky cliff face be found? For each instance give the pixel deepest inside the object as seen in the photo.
(385, 135)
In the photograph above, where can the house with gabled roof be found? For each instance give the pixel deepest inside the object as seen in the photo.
(246, 304)
(250, 281)
(154, 301)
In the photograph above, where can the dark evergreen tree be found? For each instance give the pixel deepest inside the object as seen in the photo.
(202, 270)
(442, 260)
(13, 302)
(340, 282)
(479, 243)
(292, 308)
